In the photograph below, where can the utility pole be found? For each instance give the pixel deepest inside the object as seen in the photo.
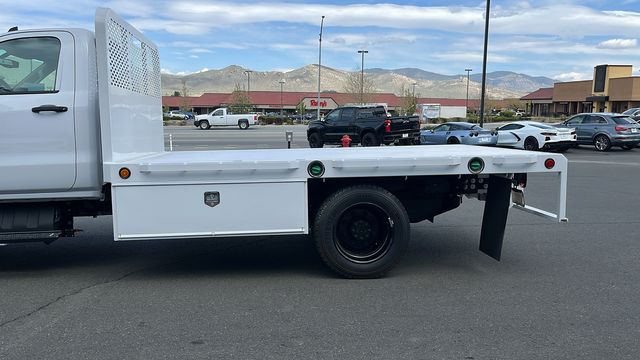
(467, 102)
(484, 61)
(319, 67)
(248, 72)
(281, 106)
(362, 75)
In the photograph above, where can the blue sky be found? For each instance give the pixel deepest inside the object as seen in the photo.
(558, 39)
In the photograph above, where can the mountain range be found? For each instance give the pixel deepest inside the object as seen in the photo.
(500, 84)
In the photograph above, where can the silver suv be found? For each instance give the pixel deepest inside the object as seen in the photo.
(604, 130)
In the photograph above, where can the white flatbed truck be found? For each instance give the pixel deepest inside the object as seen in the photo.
(81, 135)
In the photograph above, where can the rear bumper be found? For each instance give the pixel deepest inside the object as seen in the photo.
(390, 138)
(625, 139)
(559, 144)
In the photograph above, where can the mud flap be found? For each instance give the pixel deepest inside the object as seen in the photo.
(494, 219)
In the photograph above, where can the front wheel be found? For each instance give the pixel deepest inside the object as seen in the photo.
(243, 124)
(315, 140)
(361, 231)
(204, 125)
(602, 143)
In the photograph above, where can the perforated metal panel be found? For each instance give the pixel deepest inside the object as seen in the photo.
(129, 92)
(133, 64)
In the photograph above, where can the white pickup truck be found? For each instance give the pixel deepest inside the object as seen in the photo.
(222, 117)
(81, 135)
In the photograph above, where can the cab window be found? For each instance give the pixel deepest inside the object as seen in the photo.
(29, 65)
(217, 113)
(333, 116)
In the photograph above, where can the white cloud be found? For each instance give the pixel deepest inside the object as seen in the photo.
(618, 44)
(573, 76)
(200, 51)
(194, 56)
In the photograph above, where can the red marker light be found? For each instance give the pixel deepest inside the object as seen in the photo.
(549, 163)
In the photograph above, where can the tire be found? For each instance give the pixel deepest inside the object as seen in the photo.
(315, 140)
(531, 144)
(628, 147)
(361, 231)
(204, 125)
(243, 124)
(602, 143)
(453, 140)
(370, 139)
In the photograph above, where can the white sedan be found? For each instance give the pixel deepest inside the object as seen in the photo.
(531, 135)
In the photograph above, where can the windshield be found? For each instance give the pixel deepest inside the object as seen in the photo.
(630, 111)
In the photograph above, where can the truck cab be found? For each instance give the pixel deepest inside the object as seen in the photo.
(49, 137)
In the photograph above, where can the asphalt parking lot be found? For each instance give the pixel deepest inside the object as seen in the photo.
(561, 291)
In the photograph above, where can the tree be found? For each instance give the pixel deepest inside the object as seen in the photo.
(240, 101)
(301, 109)
(408, 101)
(354, 86)
(185, 106)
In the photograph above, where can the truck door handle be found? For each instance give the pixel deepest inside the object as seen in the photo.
(55, 108)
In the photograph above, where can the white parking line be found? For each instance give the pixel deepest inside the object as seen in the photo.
(604, 162)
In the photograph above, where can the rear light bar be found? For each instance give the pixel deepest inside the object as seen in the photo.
(548, 134)
(621, 129)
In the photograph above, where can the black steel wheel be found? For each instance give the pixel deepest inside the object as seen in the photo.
(370, 139)
(361, 231)
(315, 140)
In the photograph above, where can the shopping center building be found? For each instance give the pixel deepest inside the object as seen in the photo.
(613, 89)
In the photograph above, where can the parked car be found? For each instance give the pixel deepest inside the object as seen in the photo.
(532, 135)
(458, 133)
(177, 114)
(368, 125)
(604, 130)
(633, 113)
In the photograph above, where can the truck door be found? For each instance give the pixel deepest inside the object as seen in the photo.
(333, 127)
(37, 136)
(218, 118)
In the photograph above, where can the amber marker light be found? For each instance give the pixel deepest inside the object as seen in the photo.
(124, 173)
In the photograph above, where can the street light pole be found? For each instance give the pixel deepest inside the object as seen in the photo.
(281, 106)
(248, 72)
(467, 101)
(319, 67)
(414, 89)
(362, 75)
(484, 61)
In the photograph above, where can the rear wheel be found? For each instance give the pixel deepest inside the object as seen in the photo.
(453, 140)
(315, 140)
(361, 231)
(204, 125)
(370, 139)
(531, 143)
(243, 124)
(602, 143)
